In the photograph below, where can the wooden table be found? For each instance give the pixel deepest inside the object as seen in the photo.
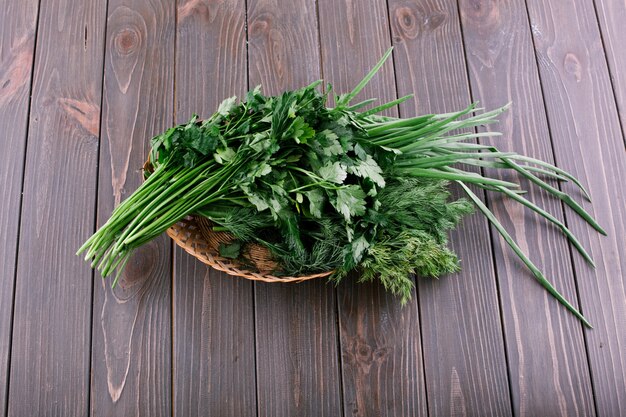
(85, 84)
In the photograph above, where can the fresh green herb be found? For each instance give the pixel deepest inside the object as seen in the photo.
(327, 188)
(231, 250)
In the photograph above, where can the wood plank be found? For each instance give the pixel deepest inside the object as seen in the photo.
(588, 142)
(296, 333)
(464, 355)
(52, 319)
(18, 20)
(611, 17)
(297, 352)
(548, 369)
(131, 354)
(214, 364)
(380, 340)
(381, 352)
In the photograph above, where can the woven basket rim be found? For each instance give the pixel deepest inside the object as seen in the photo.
(186, 234)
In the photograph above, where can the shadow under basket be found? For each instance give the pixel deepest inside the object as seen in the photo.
(196, 236)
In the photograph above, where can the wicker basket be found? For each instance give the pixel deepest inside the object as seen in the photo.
(196, 236)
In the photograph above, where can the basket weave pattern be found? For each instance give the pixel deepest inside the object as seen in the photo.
(256, 255)
(190, 235)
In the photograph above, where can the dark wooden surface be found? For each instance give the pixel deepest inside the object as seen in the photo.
(380, 341)
(550, 378)
(587, 141)
(211, 46)
(84, 85)
(455, 365)
(297, 355)
(131, 326)
(17, 44)
(50, 359)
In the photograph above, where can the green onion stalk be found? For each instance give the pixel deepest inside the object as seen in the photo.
(169, 194)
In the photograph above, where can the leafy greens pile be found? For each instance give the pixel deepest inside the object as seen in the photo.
(326, 188)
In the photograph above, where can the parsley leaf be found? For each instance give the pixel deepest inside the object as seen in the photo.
(230, 250)
(300, 131)
(224, 155)
(333, 172)
(328, 143)
(358, 248)
(227, 106)
(350, 201)
(316, 201)
(368, 168)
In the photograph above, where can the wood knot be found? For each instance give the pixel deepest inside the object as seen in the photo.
(83, 112)
(434, 20)
(363, 355)
(128, 29)
(483, 13)
(409, 21)
(127, 41)
(261, 25)
(140, 266)
(194, 8)
(572, 66)
(364, 352)
(405, 23)
(381, 354)
(15, 70)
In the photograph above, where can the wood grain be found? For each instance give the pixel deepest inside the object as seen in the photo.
(214, 363)
(283, 47)
(548, 369)
(52, 326)
(381, 353)
(611, 17)
(296, 333)
(18, 20)
(131, 353)
(297, 352)
(588, 142)
(353, 38)
(464, 354)
(380, 340)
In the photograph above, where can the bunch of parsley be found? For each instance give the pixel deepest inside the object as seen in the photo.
(326, 188)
